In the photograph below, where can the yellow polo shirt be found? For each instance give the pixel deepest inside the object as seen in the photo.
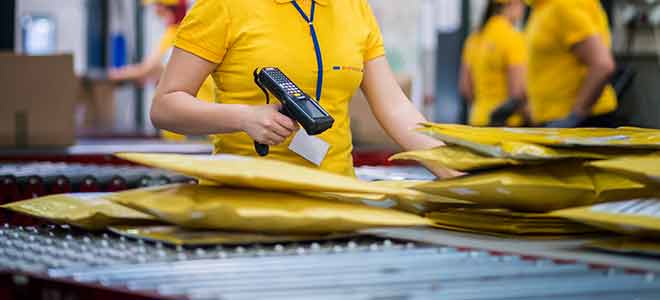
(241, 36)
(489, 55)
(470, 49)
(206, 91)
(555, 74)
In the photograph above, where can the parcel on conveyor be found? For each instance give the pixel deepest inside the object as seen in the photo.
(175, 235)
(503, 222)
(636, 217)
(271, 175)
(539, 169)
(261, 173)
(547, 143)
(250, 210)
(89, 211)
(539, 188)
(640, 167)
(416, 202)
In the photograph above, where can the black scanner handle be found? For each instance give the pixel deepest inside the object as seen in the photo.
(263, 149)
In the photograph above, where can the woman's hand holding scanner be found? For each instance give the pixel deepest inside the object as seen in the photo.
(266, 125)
(294, 103)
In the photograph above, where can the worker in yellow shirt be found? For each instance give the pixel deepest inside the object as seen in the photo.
(172, 13)
(328, 48)
(494, 65)
(570, 64)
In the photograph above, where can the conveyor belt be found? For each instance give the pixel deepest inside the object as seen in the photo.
(362, 268)
(29, 180)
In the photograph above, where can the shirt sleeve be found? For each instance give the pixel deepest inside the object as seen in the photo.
(374, 46)
(205, 30)
(517, 50)
(576, 23)
(468, 50)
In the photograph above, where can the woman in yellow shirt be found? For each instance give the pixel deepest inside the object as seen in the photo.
(570, 64)
(328, 48)
(494, 66)
(172, 13)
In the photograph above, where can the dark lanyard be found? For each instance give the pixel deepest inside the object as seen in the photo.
(317, 46)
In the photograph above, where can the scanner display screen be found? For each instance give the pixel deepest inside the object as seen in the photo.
(312, 110)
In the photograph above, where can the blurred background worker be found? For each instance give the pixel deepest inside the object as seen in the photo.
(570, 64)
(171, 12)
(492, 76)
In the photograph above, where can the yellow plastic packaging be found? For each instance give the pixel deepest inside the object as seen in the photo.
(218, 208)
(538, 188)
(419, 204)
(625, 137)
(90, 211)
(644, 168)
(455, 158)
(179, 236)
(628, 245)
(637, 217)
(501, 221)
(505, 143)
(259, 173)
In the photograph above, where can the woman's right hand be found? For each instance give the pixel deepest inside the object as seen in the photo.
(266, 125)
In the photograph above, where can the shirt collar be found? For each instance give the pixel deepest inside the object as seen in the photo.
(319, 2)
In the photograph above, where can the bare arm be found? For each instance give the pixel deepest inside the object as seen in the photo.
(394, 111)
(516, 82)
(466, 84)
(518, 89)
(600, 63)
(176, 109)
(151, 66)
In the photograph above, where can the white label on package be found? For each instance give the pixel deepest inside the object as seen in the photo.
(309, 147)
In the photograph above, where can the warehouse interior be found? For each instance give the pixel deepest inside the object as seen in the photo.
(434, 149)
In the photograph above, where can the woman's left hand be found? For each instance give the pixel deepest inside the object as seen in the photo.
(444, 173)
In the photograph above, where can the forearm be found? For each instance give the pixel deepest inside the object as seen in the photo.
(596, 56)
(400, 122)
(465, 84)
(591, 90)
(394, 112)
(182, 113)
(400, 126)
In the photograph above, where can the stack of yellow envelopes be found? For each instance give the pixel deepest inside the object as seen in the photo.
(541, 169)
(251, 196)
(529, 172)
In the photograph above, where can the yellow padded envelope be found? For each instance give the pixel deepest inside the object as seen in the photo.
(420, 203)
(260, 173)
(212, 207)
(547, 144)
(539, 188)
(180, 236)
(455, 158)
(85, 210)
(637, 217)
(645, 168)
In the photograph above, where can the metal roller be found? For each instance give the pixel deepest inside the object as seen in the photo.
(361, 268)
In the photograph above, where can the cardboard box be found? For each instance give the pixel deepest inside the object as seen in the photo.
(97, 105)
(38, 99)
(367, 132)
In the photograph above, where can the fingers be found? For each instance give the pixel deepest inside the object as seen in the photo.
(273, 139)
(270, 127)
(286, 122)
(278, 129)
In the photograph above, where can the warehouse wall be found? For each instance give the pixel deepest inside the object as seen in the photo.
(69, 16)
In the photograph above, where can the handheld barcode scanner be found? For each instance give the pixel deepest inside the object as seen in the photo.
(295, 103)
